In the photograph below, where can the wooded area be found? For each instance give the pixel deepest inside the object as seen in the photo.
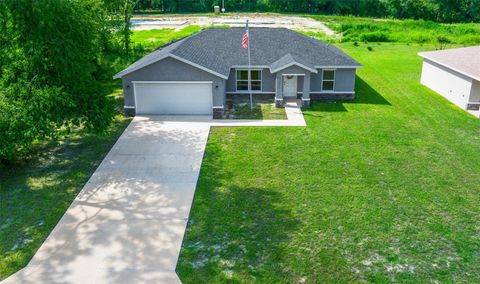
(435, 10)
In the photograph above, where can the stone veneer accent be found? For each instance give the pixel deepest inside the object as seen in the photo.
(218, 113)
(305, 102)
(332, 97)
(279, 103)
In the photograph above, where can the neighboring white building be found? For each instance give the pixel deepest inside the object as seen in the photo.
(454, 74)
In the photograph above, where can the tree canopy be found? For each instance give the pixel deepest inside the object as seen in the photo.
(50, 53)
(435, 10)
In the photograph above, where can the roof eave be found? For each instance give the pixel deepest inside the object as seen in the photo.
(313, 70)
(424, 56)
(126, 72)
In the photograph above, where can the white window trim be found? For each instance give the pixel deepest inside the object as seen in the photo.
(248, 80)
(334, 77)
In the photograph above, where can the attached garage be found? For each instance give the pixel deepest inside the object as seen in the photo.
(173, 98)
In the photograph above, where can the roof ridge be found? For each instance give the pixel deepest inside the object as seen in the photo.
(218, 50)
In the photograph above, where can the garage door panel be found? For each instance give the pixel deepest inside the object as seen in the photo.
(174, 98)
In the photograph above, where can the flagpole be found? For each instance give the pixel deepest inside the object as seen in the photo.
(249, 70)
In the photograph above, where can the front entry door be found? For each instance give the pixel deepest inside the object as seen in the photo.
(289, 86)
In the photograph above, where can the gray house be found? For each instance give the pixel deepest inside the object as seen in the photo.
(194, 75)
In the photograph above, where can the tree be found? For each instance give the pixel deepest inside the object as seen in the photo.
(50, 52)
(121, 15)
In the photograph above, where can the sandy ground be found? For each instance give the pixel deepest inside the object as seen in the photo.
(256, 20)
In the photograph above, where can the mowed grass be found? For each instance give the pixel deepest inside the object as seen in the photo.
(382, 189)
(35, 193)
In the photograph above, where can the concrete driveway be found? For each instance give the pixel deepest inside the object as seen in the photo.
(128, 222)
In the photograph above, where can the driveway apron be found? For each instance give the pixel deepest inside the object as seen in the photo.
(127, 223)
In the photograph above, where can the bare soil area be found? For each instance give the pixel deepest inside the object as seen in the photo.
(255, 19)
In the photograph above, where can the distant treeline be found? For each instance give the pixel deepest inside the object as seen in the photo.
(435, 10)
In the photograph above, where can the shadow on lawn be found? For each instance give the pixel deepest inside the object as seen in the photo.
(235, 233)
(364, 94)
(35, 192)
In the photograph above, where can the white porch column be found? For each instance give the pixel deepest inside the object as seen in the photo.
(306, 90)
(279, 90)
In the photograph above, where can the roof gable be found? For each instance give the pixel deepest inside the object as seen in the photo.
(287, 61)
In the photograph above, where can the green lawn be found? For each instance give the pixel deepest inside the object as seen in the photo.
(35, 193)
(382, 189)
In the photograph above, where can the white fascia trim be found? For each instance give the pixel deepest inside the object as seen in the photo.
(198, 66)
(449, 67)
(129, 107)
(172, 82)
(291, 64)
(338, 67)
(125, 72)
(218, 107)
(293, 74)
(332, 92)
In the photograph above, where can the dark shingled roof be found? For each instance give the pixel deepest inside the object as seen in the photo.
(218, 49)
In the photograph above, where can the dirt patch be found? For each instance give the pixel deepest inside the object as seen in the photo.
(256, 20)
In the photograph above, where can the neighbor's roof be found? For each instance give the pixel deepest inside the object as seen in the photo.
(464, 60)
(217, 50)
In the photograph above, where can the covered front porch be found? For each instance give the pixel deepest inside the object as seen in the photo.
(292, 83)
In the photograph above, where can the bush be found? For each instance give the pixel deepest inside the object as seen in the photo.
(377, 36)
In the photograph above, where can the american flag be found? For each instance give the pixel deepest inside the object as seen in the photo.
(245, 39)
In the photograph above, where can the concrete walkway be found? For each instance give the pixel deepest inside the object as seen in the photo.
(292, 109)
(127, 223)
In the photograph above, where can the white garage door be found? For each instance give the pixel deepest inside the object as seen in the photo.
(173, 98)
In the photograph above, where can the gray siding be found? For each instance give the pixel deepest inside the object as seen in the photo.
(170, 69)
(316, 81)
(293, 70)
(268, 81)
(344, 80)
(300, 84)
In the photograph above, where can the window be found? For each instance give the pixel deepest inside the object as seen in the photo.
(242, 80)
(328, 80)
